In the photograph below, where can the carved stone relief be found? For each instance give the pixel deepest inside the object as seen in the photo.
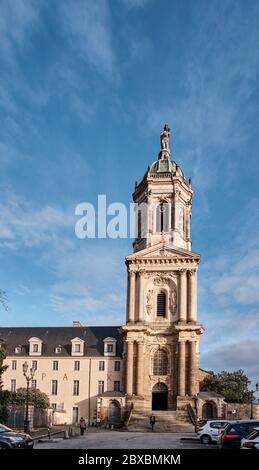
(149, 301)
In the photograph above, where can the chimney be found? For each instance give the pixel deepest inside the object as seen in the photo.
(76, 324)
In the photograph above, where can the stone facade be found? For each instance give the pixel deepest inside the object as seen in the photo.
(79, 368)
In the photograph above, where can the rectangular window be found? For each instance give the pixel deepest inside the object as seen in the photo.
(14, 365)
(34, 384)
(117, 366)
(35, 348)
(13, 385)
(54, 388)
(77, 365)
(100, 387)
(109, 347)
(55, 365)
(34, 365)
(77, 347)
(76, 387)
(54, 406)
(75, 415)
(117, 386)
(101, 365)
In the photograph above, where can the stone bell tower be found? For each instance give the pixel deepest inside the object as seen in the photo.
(161, 332)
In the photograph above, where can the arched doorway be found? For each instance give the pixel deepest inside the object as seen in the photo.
(114, 413)
(209, 410)
(160, 397)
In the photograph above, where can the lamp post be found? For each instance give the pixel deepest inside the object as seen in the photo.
(28, 376)
(252, 399)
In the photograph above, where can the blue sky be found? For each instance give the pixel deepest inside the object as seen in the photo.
(85, 87)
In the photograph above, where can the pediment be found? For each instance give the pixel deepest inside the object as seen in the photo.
(162, 250)
(77, 340)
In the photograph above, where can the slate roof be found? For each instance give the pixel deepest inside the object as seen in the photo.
(53, 336)
(206, 394)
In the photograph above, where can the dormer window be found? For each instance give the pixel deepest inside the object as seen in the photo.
(35, 346)
(77, 347)
(18, 349)
(58, 350)
(109, 346)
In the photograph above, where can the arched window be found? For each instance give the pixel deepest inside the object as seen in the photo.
(160, 362)
(162, 217)
(161, 305)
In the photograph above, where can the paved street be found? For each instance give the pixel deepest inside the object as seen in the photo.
(127, 440)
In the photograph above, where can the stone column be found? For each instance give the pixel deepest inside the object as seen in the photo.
(129, 372)
(132, 281)
(192, 296)
(183, 295)
(181, 368)
(140, 296)
(140, 359)
(128, 298)
(192, 368)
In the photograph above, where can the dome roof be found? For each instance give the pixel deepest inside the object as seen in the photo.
(165, 166)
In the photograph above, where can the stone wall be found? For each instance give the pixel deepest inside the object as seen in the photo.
(241, 410)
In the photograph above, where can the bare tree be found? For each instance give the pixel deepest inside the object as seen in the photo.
(3, 299)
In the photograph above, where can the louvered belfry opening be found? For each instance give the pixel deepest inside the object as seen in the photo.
(162, 217)
(161, 304)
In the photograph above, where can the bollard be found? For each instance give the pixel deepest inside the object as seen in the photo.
(49, 433)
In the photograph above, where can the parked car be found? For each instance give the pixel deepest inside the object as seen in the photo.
(235, 431)
(10, 439)
(251, 441)
(199, 424)
(209, 430)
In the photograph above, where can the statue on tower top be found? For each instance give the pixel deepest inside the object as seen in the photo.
(165, 136)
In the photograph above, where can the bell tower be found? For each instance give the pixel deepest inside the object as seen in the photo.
(161, 332)
(164, 201)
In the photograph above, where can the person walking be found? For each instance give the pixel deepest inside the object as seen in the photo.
(152, 421)
(82, 425)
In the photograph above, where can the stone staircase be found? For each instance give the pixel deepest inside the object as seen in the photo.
(166, 421)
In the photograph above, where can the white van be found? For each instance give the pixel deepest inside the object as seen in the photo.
(210, 430)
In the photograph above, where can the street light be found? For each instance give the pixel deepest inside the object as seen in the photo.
(252, 399)
(28, 376)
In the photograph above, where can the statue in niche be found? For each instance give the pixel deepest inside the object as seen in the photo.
(173, 301)
(149, 301)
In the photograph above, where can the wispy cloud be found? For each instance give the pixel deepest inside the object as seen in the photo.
(90, 279)
(87, 28)
(232, 276)
(136, 3)
(229, 297)
(213, 116)
(23, 223)
(16, 22)
(90, 275)
(241, 355)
